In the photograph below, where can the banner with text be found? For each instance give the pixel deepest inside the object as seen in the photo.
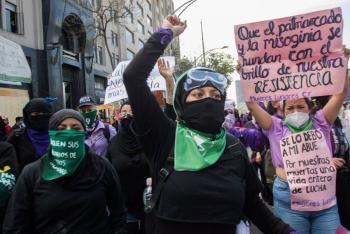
(115, 90)
(310, 171)
(293, 57)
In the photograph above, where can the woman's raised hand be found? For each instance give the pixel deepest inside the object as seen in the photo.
(175, 24)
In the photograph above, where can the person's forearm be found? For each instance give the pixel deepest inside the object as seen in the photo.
(169, 91)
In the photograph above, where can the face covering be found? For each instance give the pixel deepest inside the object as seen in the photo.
(206, 115)
(39, 122)
(125, 121)
(90, 120)
(297, 119)
(229, 121)
(67, 152)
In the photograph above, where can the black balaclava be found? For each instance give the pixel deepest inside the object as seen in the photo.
(40, 122)
(205, 115)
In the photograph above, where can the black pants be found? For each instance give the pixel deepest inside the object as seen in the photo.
(136, 227)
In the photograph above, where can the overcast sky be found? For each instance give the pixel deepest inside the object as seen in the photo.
(220, 16)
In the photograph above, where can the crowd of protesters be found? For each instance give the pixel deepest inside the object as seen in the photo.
(212, 169)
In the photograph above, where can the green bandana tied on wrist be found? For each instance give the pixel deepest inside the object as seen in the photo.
(307, 126)
(66, 154)
(90, 120)
(195, 150)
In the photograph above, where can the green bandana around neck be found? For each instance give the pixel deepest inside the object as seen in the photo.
(90, 119)
(67, 150)
(195, 150)
(306, 127)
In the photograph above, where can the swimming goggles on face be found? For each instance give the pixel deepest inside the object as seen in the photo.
(199, 77)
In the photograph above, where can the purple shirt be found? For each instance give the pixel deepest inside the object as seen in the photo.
(279, 130)
(97, 141)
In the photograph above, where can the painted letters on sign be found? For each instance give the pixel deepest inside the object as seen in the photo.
(115, 90)
(293, 57)
(310, 171)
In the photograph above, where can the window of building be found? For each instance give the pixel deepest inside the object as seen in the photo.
(140, 44)
(140, 9)
(140, 27)
(98, 55)
(100, 83)
(149, 5)
(129, 16)
(114, 38)
(130, 39)
(129, 54)
(115, 59)
(11, 17)
(149, 21)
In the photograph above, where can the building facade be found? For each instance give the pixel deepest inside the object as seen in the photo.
(67, 60)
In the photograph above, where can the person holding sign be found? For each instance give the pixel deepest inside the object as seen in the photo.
(69, 190)
(202, 178)
(304, 189)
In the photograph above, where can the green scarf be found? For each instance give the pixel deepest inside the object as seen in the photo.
(195, 150)
(306, 127)
(66, 154)
(7, 182)
(90, 120)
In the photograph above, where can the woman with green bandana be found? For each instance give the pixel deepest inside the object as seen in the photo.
(69, 190)
(99, 134)
(298, 119)
(210, 184)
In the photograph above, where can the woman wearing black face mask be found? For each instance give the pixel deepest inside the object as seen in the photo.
(32, 141)
(128, 158)
(69, 189)
(211, 183)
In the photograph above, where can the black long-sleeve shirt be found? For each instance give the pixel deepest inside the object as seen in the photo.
(157, 135)
(89, 201)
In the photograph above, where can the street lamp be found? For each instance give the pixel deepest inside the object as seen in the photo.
(207, 52)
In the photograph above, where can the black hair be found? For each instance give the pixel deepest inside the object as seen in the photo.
(270, 109)
(308, 103)
(126, 102)
(18, 118)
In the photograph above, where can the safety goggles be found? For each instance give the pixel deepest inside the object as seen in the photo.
(199, 77)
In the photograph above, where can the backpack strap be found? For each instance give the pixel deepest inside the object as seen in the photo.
(168, 168)
(106, 132)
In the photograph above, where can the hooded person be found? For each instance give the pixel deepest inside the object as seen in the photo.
(197, 169)
(127, 156)
(32, 142)
(69, 190)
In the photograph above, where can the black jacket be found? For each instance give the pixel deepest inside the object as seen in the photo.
(89, 201)
(25, 150)
(7, 159)
(132, 169)
(157, 134)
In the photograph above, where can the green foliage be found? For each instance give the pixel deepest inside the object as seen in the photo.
(183, 65)
(220, 62)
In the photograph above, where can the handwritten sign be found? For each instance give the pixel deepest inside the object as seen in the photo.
(293, 57)
(310, 171)
(116, 90)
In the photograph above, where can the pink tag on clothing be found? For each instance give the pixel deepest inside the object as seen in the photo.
(310, 171)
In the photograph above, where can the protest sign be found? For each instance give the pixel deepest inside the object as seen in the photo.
(310, 171)
(115, 90)
(293, 57)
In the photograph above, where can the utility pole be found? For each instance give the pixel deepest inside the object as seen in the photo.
(204, 62)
